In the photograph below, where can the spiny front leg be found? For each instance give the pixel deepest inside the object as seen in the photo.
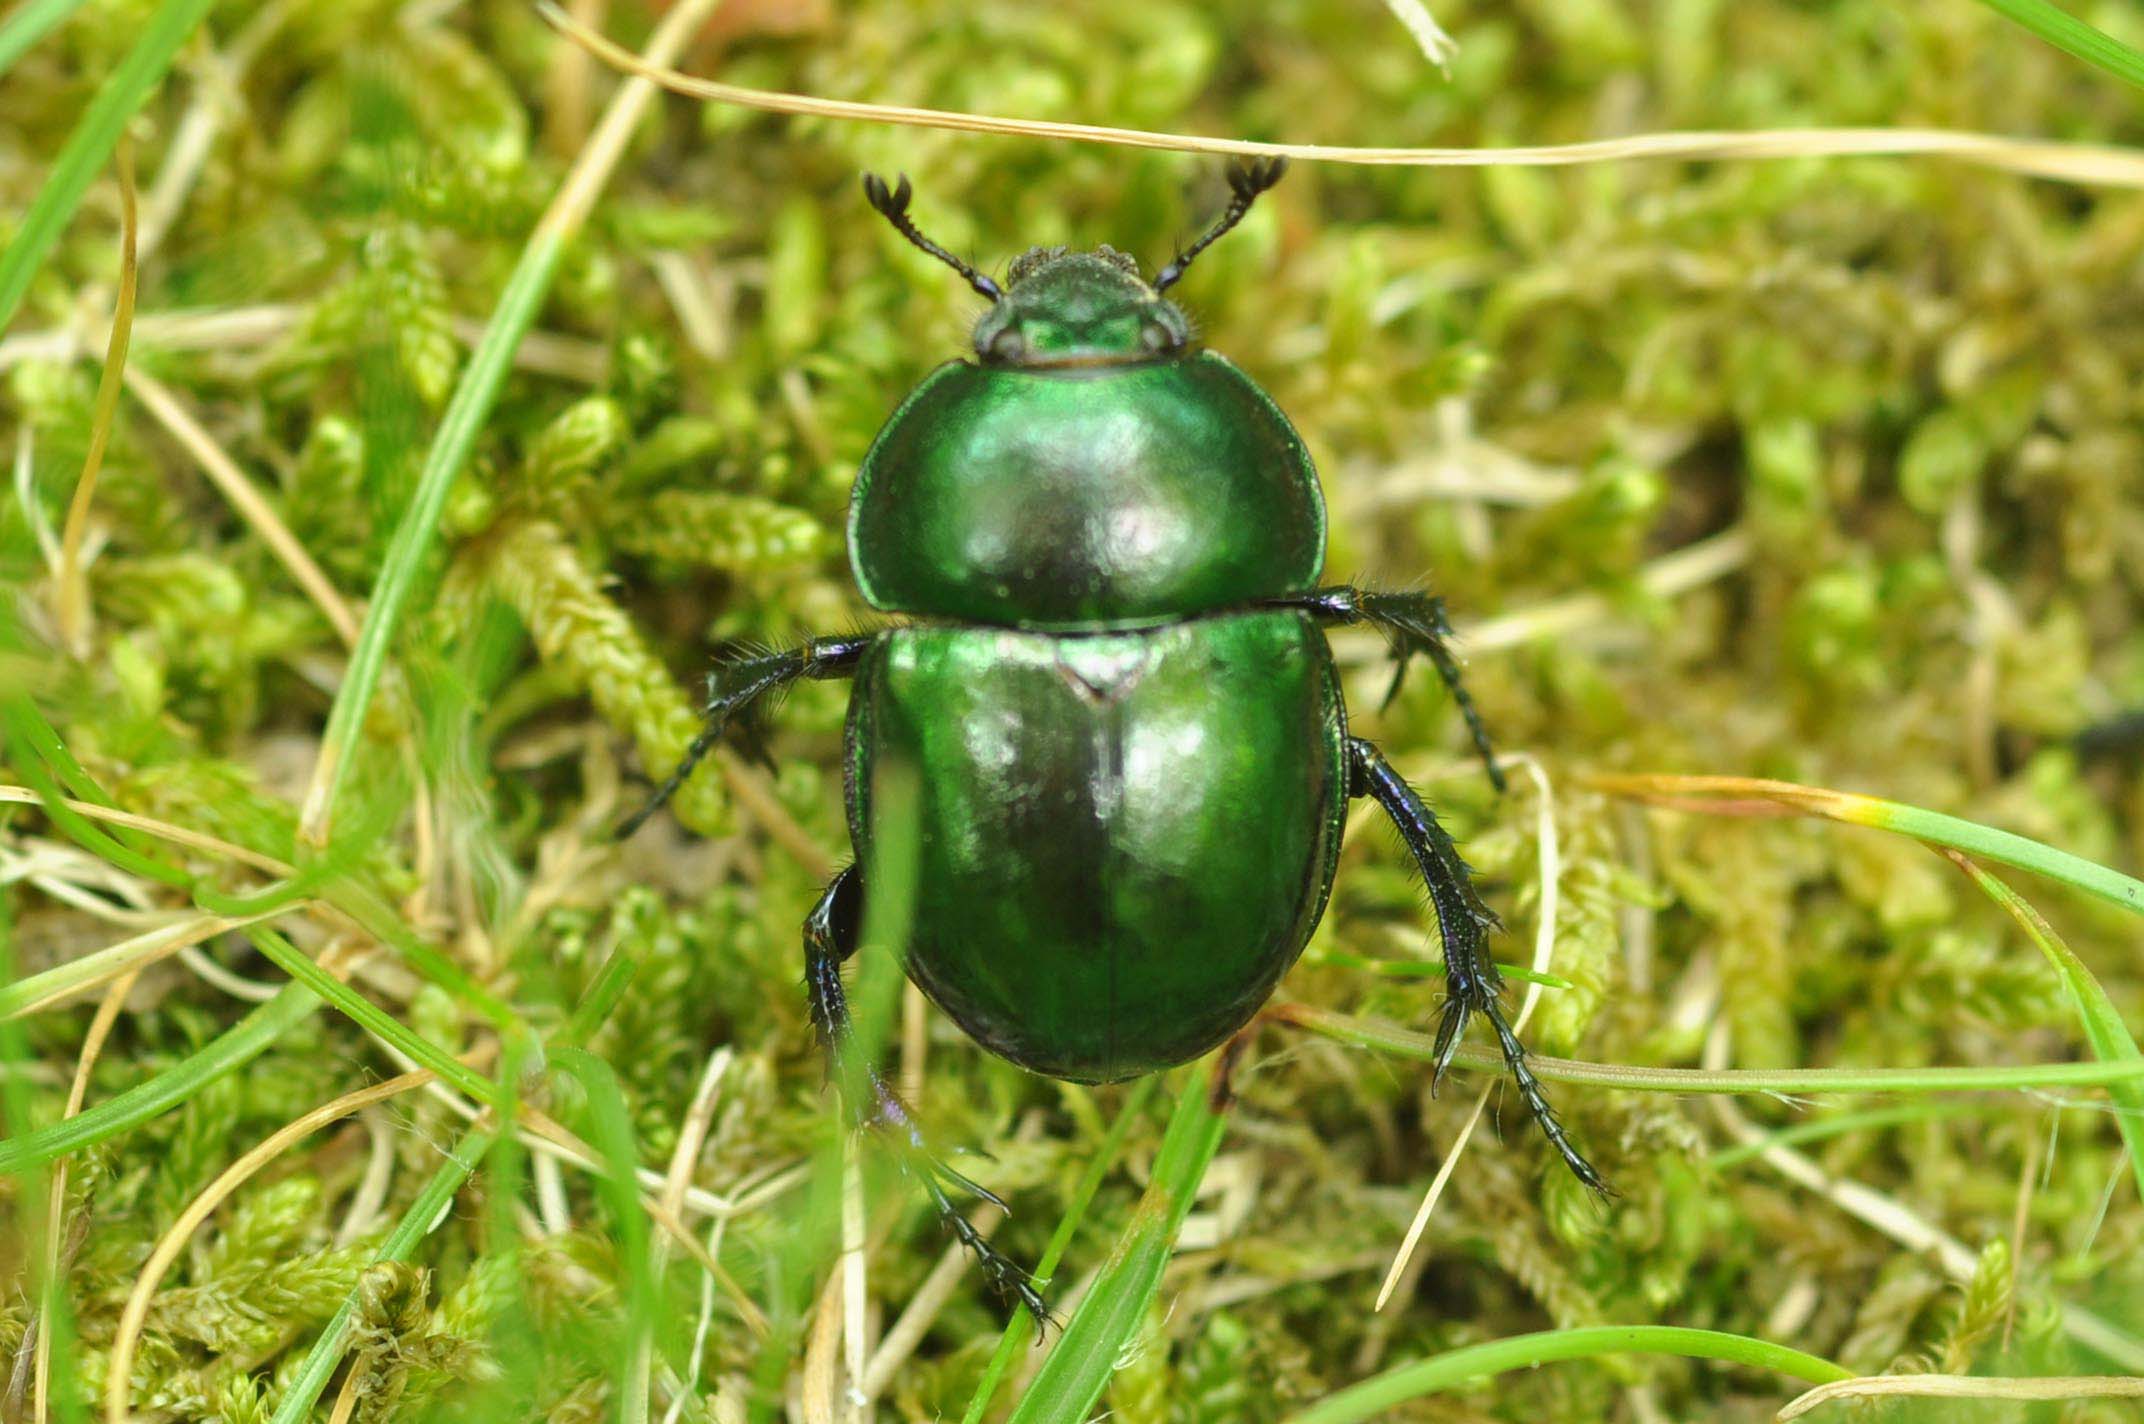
(1472, 984)
(733, 688)
(1414, 625)
(831, 934)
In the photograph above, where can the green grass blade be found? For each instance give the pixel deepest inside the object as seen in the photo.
(29, 1217)
(31, 21)
(425, 1213)
(468, 410)
(1405, 1043)
(89, 147)
(2073, 36)
(1975, 839)
(1078, 1369)
(2103, 1026)
(146, 947)
(612, 1135)
(1742, 795)
(1523, 1352)
(416, 1223)
(1837, 1125)
(34, 751)
(476, 394)
(1021, 1328)
(370, 1016)
(234, 1048)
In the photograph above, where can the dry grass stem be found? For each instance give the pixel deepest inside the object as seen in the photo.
(128, 1338)
(232, 484)
(177, 835)
(72, 604)
(1965, 1387)
(2100, 164)
(100, 1027)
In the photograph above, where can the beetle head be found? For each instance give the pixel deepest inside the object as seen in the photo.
(1062, 308)
(1066, 308)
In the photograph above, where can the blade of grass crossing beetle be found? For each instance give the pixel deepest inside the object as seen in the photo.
(875, 980)
(2073, 36)
(1079, 1366)
(1021, 1328)
(89, 147)
(2103, 1026)
(1402, 1383)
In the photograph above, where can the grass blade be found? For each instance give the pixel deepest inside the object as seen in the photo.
(425, 1213)
(1078, 1369)
(234, 1048)
(1522, 1352)
(89, 147)
(1021, 1328)
(1405, 1043)
(474, 398)
(371, 1017)
(613, 1136)
(1753, 796)
(2103, 1026)
(2073, 36)
(31, 22)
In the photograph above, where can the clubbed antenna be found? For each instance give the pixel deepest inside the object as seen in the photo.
(892, 205)
(1246, 181)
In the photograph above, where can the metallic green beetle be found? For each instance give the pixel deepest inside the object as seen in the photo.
(1131, 752)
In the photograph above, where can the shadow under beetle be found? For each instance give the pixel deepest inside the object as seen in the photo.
(1133, 757)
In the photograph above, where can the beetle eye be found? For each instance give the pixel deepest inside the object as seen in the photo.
(1155, 337)
(1008, 345)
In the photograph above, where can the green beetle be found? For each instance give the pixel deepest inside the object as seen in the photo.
(1132, 757)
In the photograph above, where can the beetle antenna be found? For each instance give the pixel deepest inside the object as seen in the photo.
(1246, 180)
(892, 205)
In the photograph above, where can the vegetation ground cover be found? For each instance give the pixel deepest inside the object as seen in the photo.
(1827, 471)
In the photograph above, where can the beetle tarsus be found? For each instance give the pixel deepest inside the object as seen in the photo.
(831, 933)
(1413, 625)
(1472, 983)
(732, 690)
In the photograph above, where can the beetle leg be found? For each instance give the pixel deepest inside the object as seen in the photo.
(732, 689)
(1471, 980)
(831, 932)
(1414, 625)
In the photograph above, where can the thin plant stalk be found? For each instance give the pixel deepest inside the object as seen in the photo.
(1389, 1038)
(90, 146)
(2102, 1023)
(1078, 1368)
(2073, 36)
(2068, 162)
(1474, 1363)
(72, 602)
(1020, 1330)
(470, 407)
(1754, 796)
